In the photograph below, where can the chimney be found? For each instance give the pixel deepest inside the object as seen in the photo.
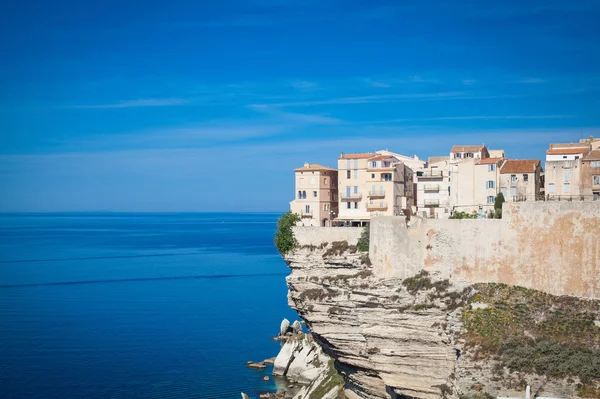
(306, 164)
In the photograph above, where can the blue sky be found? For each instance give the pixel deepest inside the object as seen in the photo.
(208, 106)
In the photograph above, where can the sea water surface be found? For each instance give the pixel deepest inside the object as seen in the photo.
(111, 305)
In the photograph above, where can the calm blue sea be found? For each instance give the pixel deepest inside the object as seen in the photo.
(138, 305)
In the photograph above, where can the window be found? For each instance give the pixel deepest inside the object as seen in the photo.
(469, 155)
(513, 179)
(303, 194)
(313, 181)
(491, 168)
(448, 190)
(348, 174)
(325, 181)
(348, 205)
(374, 164)
(567, 188)
(596, 180)
(348, 164)
(567, 172)
(503, 191)
(307, 208)
(347, 191)
(326, 207)
(356, 174)
(458, 155)
(356, 164)
(490, 199)
(525, 177)
(551, 188)
(315, 194)
(386, 176)
(513, 192)
(355, 189)
(597, 196)
(595, 164)
(449, 173)
(490, 184)
(356, 205)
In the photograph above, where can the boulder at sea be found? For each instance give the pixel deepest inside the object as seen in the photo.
(296, 327)
(285, 325)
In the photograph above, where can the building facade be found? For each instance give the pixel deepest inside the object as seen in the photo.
(316, 195)
(487, 182)
(433, 189)
(563, 170)
(372, 184)
(590, 175)
(520, 180)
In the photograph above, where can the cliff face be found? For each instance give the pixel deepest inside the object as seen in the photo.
(395, 337)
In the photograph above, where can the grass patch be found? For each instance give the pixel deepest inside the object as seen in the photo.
(331, 380)
(531, 331)
(338, 248)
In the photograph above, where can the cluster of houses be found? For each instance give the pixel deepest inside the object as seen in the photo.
(468, 180)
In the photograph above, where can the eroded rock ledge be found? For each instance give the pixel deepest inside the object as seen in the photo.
(428, 337)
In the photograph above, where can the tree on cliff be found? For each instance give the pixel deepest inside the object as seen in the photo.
(363, 241)
(498, 205)
(284, 236)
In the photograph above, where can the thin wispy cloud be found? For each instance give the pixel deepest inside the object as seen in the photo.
(477, 117)
(390, 98)
(311, 119)
(304, 85)
(148, 102)
(375, 83)
(530, 80)
(419, 79)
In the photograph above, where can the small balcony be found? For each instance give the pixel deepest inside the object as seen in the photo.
(377, 206)
(351, 197)
(433, 175)
(305, 214)
(377, 194)
(431, 203)
(432, 188)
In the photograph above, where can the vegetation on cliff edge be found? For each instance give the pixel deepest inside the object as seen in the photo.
(363, 241)
(284, 236)
(534, 332)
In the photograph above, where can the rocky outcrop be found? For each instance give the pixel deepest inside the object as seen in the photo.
(394, 338)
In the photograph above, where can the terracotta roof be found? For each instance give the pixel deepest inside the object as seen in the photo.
(567, 151)
(380, 157)
(592, 156)
(466, 148)
(488, 161)
(357, 156)
(313, 166)
(520, 166)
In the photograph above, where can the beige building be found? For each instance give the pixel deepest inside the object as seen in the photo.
(462, 152)
(520, 180)
(487, 182)
(590, 175)
(473, 178)
(316, 195)
(563, 170)
(433, 189)
(372, 184)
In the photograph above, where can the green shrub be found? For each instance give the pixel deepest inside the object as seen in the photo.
(284, 236)
(498, 205)
(463, 215)
(363, 242)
